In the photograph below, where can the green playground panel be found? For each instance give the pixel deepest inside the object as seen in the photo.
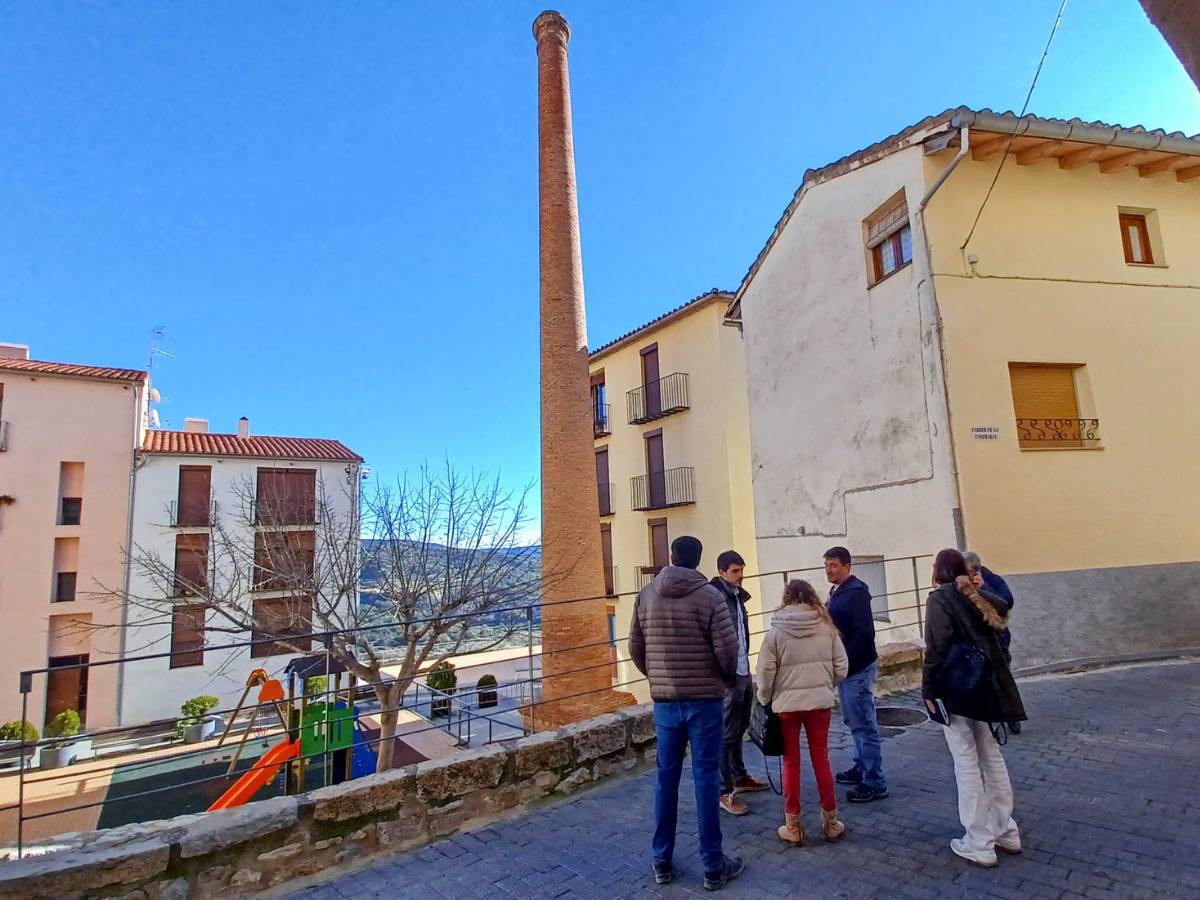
(318, 718)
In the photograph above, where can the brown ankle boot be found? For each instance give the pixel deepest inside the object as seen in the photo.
(793, 831)
(831, 826)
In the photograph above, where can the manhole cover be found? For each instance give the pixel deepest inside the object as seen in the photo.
(899, 716)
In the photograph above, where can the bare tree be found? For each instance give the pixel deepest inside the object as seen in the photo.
(431, 554)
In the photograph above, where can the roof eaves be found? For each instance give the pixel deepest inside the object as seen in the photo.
(682, 309)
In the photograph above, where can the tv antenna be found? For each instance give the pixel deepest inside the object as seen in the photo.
(157, 335)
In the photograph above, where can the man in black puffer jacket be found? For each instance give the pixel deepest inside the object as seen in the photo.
(682, 638)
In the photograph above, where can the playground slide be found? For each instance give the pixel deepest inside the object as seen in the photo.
(263, 771)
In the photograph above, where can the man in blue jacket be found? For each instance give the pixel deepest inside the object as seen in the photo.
(850, 607)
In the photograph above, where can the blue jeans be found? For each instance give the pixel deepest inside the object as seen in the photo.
(857, 698)
(678, 723)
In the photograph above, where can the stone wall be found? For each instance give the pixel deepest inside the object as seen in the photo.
(261, 845)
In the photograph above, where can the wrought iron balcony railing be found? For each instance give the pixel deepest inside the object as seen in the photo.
(601, 419)
(304, 513)
(607, 497)
(656, 399)
(660, 490)
(645, 575)
(1058, 432)
(192, 515)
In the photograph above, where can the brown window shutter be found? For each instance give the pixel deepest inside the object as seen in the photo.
(1044, 392)
(187, 636)
(195, 487)
(281, 617)
(191, 563)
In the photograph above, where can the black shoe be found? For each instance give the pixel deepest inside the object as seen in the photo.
(662, 871)
(731, 868)
(850, 776)
(864, 794)
(1014, 727)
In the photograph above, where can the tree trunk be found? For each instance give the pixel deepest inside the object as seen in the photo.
(390, 697)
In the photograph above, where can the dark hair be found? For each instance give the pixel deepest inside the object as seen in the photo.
(686, 550)
(729, 558)
(841, 554)
(948, 566)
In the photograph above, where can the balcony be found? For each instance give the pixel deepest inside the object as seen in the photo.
(662, 490)
(1058, 434)
(607, 496)
(191, 515)
(645, 575)
(601, 419)
(657, 399)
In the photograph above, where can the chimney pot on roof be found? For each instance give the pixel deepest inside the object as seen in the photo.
(243, 427)
(14, 351)
(196, 426)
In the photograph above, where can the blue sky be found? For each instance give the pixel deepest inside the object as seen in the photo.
(332, 207)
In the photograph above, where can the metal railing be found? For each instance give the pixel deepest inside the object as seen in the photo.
(645, 575)
(465, 722)
(656, 399)
(601, 419)
(662, 490)
(1077, 432)
(607, 494)
(299, 515)
(197, 516)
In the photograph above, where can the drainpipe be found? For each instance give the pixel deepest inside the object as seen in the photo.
(964, 148)
(134, 464)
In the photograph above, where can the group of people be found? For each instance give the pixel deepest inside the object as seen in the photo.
(691, 638)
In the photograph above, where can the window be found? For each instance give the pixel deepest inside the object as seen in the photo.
(610, 573)
(612, 643)
(67, 686)
(1046, 404)
(1135, 239)
(286, 497)
(64, 587)
(600, 410)
(283, 560)
(651, 381)
(870, 570)
(195, 489)
(889, 238)
(281, 617)
(72, 509)
(187, 636)
(191, 564)
(602, 483)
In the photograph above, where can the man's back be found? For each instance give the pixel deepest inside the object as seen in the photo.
(682, 637)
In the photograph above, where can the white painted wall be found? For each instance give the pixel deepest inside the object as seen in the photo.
(847, 411)
(151, 689)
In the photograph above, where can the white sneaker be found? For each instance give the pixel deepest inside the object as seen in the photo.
(1010, 845)
(985, 858)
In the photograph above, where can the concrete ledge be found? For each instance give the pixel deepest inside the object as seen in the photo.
(1084, 663)
(257, 847)
(899, 667)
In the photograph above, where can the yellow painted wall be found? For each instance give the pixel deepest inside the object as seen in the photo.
(1046, 236)
(712, 436)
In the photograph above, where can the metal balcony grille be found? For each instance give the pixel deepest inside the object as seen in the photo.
(645, 575)
(601, 419)
(1058, 432)
(657, 399)
(661, 490)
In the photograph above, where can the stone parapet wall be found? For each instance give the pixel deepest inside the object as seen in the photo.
(261, 845)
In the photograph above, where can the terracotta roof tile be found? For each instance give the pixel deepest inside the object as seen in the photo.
(198, 443)
(708, 295)
(40, 367)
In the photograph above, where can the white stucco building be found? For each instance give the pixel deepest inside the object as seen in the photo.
(226, 513)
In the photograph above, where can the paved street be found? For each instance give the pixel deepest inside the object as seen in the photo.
(1108, 799)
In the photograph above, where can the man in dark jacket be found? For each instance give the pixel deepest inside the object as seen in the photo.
(683, 639)
(740, 698)
(850, 608)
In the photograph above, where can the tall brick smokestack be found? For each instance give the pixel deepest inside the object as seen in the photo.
(572, 564)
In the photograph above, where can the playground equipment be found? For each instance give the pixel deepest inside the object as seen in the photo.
(323, 733)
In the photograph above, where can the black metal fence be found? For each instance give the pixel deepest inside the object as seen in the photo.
(656, 399)
(662, 490)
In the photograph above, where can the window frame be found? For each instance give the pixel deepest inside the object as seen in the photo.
(63, 519)
(58, 586)
(892, 234)
(1142, 223)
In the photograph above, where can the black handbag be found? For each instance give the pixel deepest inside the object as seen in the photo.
(766, 731)
(964, 671)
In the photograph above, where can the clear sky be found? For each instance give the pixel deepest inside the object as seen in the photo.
(331, 207)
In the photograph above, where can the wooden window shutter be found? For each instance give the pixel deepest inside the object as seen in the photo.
(1044, 392)
(187, 636)
(195, 487)
(191, 563)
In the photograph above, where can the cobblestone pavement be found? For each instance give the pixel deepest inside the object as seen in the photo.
(1108, 800)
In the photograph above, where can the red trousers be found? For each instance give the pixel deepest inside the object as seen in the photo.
(816, 726)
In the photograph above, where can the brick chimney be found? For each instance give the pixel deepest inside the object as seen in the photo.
(572, 563)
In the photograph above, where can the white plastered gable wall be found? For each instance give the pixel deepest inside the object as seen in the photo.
(846, 400)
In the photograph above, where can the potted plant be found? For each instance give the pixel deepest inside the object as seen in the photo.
(10, 744)
(441, 678)
(485, 690)
(69, 744)
(196, 723)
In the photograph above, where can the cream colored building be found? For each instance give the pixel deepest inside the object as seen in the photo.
(933, 361)
(672, 453)
(68, 434)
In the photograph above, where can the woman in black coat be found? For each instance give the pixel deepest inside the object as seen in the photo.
(966, 669)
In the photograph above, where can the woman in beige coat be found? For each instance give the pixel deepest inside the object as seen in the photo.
(799, 665)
